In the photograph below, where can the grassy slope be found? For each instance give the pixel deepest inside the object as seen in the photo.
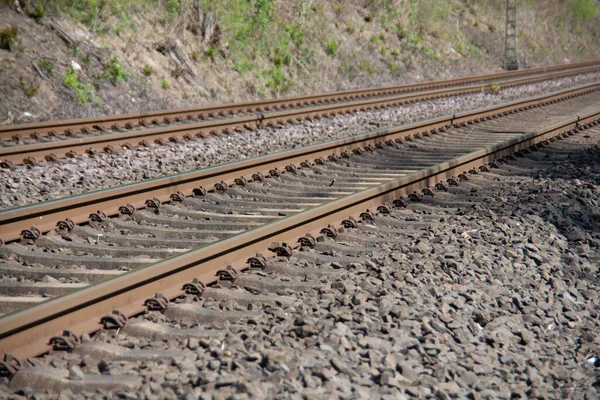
(273, 47)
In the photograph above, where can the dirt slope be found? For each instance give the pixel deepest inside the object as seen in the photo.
(87, 57)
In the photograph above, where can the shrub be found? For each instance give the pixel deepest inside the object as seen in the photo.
(115, 71)
(37, 12)
(83, 91)
(46, 65)
(148, 70)
(165, 84)
(8, 37)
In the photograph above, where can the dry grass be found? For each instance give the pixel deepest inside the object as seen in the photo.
(271, 48)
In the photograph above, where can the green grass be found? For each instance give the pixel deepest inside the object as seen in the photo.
(83, 91)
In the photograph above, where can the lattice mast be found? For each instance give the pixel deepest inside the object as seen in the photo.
(510, 39)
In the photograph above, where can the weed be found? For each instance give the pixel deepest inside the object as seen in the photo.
(85, 60)
(414, 39)
(368, 17)
(195, 56)
(37, 12)
(339, 9)
(165, 84)
(331, 48)
(74, 50)
(242, 64)
(8, 36)
(27, 87)
(367, 67)
(148, 70)
(393, 67)
(428, 52)
(395, 52)
(211, 52)
(83, 91)
(278, 81)
(46, 65)
(400, 31)
(173, 7)
(297, 34)
(350, 29)
(491, 88)
(114, 71)
(585, 10)
(282, 56)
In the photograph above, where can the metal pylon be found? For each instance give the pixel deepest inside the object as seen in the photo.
(510, 39)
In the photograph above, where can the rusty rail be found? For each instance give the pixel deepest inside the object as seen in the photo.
(26, 333)
(31, 153)
(45, 216)
(6, 132)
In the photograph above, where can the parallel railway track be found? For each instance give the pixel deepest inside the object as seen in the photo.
(235, 211)
(63, 139)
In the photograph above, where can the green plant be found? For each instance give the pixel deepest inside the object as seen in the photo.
(165, 84)
(27, 87)
(211, 52)
(46, 65)
(242, 64)
(8, 36)
(195, 56)
(492, 88)
(148, 70)
(297, 34)
(173, 7)
(350, 29)
(83, 91)
(37, 12)
(428, 52)
(114, 71)
(331, 48)
(278, 81)
(585, 10)
(367, 67)
(282, 55)
(400, 31)
(395, 52)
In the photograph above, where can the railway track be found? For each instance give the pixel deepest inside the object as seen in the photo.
(90, 136)
(227, 215)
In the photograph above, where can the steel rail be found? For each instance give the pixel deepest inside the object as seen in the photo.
(21, 154)
(142, 119)
(45, 216)
(25, 333)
